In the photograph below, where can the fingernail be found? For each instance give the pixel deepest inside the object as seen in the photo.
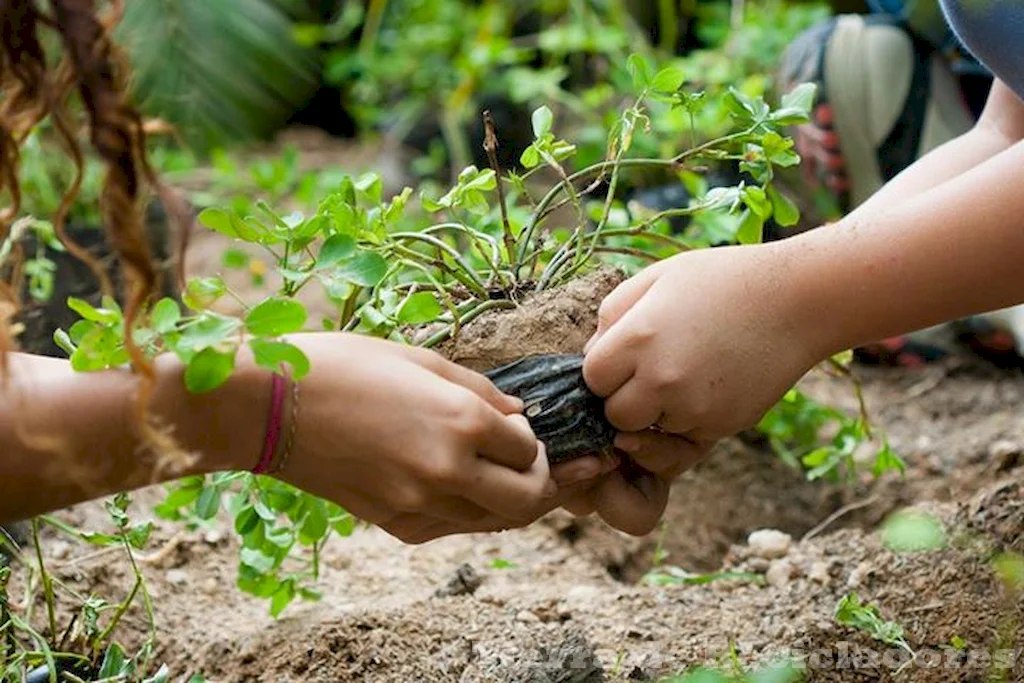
(630, 443)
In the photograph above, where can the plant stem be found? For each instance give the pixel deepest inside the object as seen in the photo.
(494, 260)
(491, 147)
(6, 632)
(597, 169)
(45, 578)
(371, 27)
(668, 23)
(446, 334)
(121, 609)
(147, 601)
(478, 284)
(641, 231)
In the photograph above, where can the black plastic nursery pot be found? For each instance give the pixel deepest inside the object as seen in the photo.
(564, 414)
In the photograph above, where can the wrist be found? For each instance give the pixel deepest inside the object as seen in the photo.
(810, 296)
(225, 428)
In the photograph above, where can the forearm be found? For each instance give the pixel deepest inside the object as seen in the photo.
(949, 252)
(67, 437)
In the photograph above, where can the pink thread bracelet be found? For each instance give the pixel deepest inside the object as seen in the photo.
(274, 425)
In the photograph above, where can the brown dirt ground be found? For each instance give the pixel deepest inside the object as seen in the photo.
(572, 609)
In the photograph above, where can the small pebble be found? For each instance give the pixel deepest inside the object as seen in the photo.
(213, 536)
(178, 577)
(780, 573)
(1005, 453)
(582, 596)
(465, 581)
(211, 586)
(819, 573)
(59, 550)
(527, 617)
(859, 575)
(759, 565)
(769, 544)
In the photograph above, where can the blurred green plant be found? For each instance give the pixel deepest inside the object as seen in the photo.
(416, 272)
(219, 71)
(85, 645)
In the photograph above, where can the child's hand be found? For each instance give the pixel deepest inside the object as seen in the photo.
(633, 497)
(700, 345)
(413, 443)
(697, 347)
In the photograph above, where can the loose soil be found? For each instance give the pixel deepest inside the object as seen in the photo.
(572, 608)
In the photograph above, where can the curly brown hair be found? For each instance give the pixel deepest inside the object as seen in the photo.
(35, 86)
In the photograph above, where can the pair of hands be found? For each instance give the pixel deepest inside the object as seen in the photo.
(687, 352)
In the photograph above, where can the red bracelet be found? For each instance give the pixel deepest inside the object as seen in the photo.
(274, 425)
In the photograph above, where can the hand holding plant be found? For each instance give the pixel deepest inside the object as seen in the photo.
(409, 441)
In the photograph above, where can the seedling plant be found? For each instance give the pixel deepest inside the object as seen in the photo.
(419, 271)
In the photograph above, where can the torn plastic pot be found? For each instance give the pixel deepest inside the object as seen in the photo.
(563, 412)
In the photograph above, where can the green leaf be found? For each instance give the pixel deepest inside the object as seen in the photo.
(80, 330)
(366, 269)
(163, 675)
(852, 612)
(246, 520)
(283, 597)
(371, 186)
(201, 292)
(315, 525)
(530, 157)
(500, 564)
(778, 672)
(208, 503)
(336, 249)
(166, 315)
(751, 230)
(801, 98)
(220, 221)
(310, 595)
(669, 79)
(272, 354)
(235, 259)
(757, 201)
(276, 317)
(913, 532)
(220, 72)
(785, 211)
(209, 369)
(419, 308)
(640, 70)
(257, 560)
(888, 461)
(103, 316)
(138, 535)
(543, 120)
(1009, 567)
(63, 341)
(208, 330)
(115, 663)
(345, 525)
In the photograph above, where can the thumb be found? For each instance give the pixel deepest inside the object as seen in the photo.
(618, 303)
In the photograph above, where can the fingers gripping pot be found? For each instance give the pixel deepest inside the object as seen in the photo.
(564, 414)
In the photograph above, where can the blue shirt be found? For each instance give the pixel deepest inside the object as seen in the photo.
(993, 30)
